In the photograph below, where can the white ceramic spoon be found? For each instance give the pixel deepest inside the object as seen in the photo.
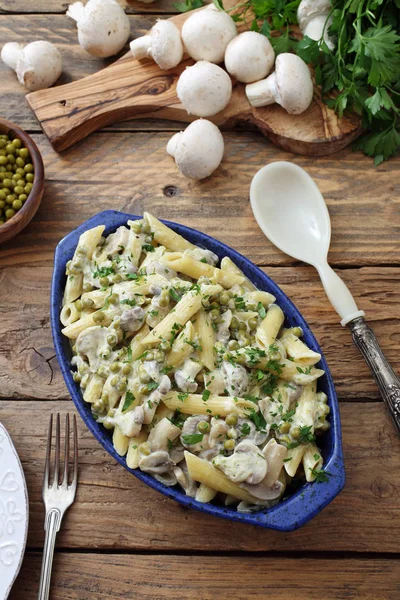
(292, 213)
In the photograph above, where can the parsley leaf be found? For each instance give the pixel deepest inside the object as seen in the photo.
(261, 310)
(320, 475)
(182, 396)
(193, 438)
(103, 272)
(205, 395)
(129, 398)
(306, 435)
(258, 419)
(174, 294)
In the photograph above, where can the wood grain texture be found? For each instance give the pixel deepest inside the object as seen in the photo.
(97, 576)
(29, 368)
(10, 7)
(134, 89)
(132, 172)
(114, 510)
(77, 63)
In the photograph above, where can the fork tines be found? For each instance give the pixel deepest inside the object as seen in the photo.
(69, 475)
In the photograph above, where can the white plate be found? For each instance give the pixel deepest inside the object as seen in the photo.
(14, 513)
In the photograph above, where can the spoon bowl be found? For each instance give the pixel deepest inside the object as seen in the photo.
(291, 211)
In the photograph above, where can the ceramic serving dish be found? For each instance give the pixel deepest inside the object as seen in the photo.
(297, 508)
(14, 513)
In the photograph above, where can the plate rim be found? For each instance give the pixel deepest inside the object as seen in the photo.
(284, 516)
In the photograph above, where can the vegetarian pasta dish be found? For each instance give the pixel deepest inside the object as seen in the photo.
(191, 367)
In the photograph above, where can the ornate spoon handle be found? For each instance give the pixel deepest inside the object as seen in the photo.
(386, 379)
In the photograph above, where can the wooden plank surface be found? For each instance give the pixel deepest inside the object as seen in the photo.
(77, 63)
(29, 369)
(95, 577)
(10, 7)
(115, 510)
(132, 172)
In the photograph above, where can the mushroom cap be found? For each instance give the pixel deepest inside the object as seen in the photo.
(103, 26)
(204, 89)
(39, 65)
(249, 57)
(207, 33)
(294, 86)
(166, 44)
(308, 9)
(199, 150)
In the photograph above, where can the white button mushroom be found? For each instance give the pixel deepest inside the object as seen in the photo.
(207, 33)
(249, 57)
(103, 26)
(290, 85)
(163, 44)
(37, 65)
(314, 20)
(198, 150)
(204, 89)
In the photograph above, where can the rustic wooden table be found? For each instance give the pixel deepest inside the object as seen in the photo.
(121, 539)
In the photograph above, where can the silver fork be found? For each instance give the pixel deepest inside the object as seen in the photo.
(57, 497)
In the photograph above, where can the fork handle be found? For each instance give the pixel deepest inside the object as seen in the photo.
(51, 526)
(387, 380)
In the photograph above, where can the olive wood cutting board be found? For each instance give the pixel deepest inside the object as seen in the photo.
(132, 89)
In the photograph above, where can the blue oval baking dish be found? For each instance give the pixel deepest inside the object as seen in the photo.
(296, 509)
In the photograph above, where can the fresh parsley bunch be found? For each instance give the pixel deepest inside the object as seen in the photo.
(360, 75)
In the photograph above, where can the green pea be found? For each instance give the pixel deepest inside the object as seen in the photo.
(114, 381)
(215, 314)
(3, 143)
(28, 188)
(17, 143)
(10, 198)
(24, 152)
(149, 355)
(231, 419)
(144, 448)
(76, 377)
(29, 177)
(117, 278)
(7, 183)
(10, 149)
(102, 372)
(3, 160)
(233, 345)
(104, 281)
(11, 159)
(2, 204)
(113, 299)
(79, 305)
(242, 326)
(229, 444)
(235, 323)
(2, 195)
(203, 427)
(98, 406)
(98, 317)
(28, 168)
(87, 287)
(121, 387)
(87, 302)
(163, 301)
(285, 427)
(22, 197)
(17, 204)
(105, 397)
(253, 323)
(165, 345)
(10, 212)
(20, 162)
(126, 370)
(115, 367)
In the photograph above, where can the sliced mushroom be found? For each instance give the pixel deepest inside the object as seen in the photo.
(184, 480)
(271, 488)
(246, 464)
(218, 432)
(157, 462)
(162, 435)
(91, 342)
(214, 382)
(169, 479)
(190, 428)
(266, 493)
(131, 320)
(201, 254)
(223, 333)
(236, 378)
(130, 423)
(185, 377)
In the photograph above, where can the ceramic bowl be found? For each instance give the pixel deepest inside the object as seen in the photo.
(297, 508)
(21, 218)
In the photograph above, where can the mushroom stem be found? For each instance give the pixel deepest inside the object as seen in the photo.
(264, 92)
(11, 53)
(76, 11)
(172, 144)
(140, 47)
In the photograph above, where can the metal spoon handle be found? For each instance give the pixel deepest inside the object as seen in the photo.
(386, 379)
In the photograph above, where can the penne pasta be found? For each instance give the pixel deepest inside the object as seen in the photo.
(183, 263)
(215, 405)
(206, 338)
(268, 330)
(165, 236)
(229, 266)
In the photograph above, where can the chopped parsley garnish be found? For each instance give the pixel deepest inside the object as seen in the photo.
(132, 276)
(245, 429)
(320, 475)
(203, 260)
(240, 304)
(104, 272)
(148, 247)
(182, 397)
(205, 395)
(269, 386)
(305, 371)
(143, 355)
(275, 366)
(165, 370)
(153, 385)
(261, 310)
(174, 294)
(178, 419)
(194, 438)
(258, 419)
(254, 355)
(306, 435)
(288, 417)
(129, 398)
(195, 345)
(287, 459)
(153, 313)
(316, 457)
(252, 398)
(130, 302)
(169, 444)
(128, 355)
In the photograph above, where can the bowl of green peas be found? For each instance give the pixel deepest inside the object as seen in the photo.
(21, 179)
